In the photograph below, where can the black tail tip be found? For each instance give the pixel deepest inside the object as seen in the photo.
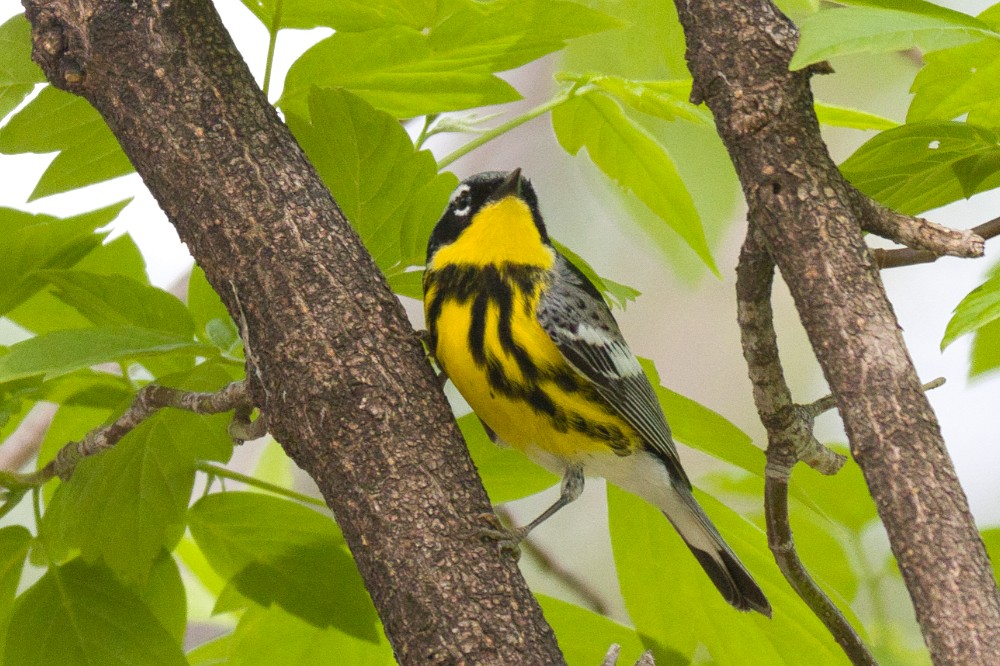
(733, 581)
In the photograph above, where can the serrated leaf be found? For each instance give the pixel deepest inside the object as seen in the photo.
(674, 605)
(127, 504)
(391, 194)
(213, 325)
(265, 637)
(116, 300)
(506, 474)
(409, 72)
(633, 159)
(879, 29)
(80, 614)
(919, 166)
(584, 635)
(344, 15)
(58, 121)
(843, 116)
(980, 307)
(61, 352)
(277, 552)
(18, 74)
(36, 242)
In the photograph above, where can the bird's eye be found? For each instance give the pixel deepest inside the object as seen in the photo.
(462, 203)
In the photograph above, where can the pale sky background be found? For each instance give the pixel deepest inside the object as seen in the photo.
(689, 331)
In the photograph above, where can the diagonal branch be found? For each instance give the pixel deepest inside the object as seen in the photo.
(148, 401)
(916, 233)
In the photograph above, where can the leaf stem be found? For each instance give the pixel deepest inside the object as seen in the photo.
(271, 42)
(564, 95)
(225, 473)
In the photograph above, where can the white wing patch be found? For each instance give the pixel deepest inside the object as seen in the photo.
(624, 361)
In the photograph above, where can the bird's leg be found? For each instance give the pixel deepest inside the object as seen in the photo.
(509, 538)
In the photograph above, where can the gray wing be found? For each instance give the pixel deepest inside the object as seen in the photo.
(575, 316)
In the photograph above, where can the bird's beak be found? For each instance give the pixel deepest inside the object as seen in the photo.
(510, 186)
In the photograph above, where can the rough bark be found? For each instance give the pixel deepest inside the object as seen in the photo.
(738, 53)
(332, 360)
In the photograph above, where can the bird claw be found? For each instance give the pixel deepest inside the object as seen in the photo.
(506, 538)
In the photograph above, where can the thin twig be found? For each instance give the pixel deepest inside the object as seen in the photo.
(915, 233)
(828, 402)
(906, 256)
(550, 564)
(147, 402)
(790, 437)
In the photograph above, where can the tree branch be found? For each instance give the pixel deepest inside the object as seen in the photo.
(331, 357)
(908, 256)
(738, 53)
(789, 438)
(916, 233)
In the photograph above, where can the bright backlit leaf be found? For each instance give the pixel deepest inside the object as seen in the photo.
(18, 74)
(980, 307)
(408, 72)
(391, 193)
(633, 159)
(58, 121)
(843, 116)
(918, 166)
(883, 29)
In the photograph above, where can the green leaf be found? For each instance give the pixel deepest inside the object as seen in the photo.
(274, 636)
(674, 605)
(633, 159)
(409, 72)
(80, 614)
(919, 166)
(36, 242)
(61, 352)
(991, 538)
(828, 493)
(952, 82)
(116, 300)
(392, 194)
(980, 307)
(617, 295)
(58, 121)
(213, 325)
(668, 99)
(585, 636)
(843, 116)
(127, 504)
(701, 428)
(14, 544)
(18, 74)
(164, 595)
(213, 653)
(506, 474)
(344, 15)
(278, 552)
(407, 283)
(874, 29)
(985, 354)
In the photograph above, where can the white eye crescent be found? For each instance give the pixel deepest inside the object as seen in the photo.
(461, 201)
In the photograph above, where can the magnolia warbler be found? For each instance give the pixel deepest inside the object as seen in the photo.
(530, 343)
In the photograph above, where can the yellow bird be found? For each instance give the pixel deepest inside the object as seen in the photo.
(530, 343)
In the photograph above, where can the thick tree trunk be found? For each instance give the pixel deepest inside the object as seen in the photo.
(738, 52)
(331, 357)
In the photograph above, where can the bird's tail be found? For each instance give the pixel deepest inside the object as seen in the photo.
(715, 556)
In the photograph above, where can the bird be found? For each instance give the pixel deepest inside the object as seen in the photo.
(531, 345)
